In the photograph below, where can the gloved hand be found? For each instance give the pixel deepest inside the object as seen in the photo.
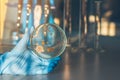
(21, 61)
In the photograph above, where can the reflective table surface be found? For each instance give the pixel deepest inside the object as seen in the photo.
(78, 64)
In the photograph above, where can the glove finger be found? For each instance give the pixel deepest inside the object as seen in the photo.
(31, 30)
(56, 58)
(21, 46)
(47, 70)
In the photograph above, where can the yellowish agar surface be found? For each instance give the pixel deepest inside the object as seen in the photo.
(50, 49)
(43, 42)
(39, 49)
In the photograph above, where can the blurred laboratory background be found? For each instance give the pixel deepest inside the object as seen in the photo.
(78, 18)
(92, 28)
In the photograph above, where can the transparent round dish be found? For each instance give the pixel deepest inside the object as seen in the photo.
(48, 41)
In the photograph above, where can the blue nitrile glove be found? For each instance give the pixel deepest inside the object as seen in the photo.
(21, 61)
